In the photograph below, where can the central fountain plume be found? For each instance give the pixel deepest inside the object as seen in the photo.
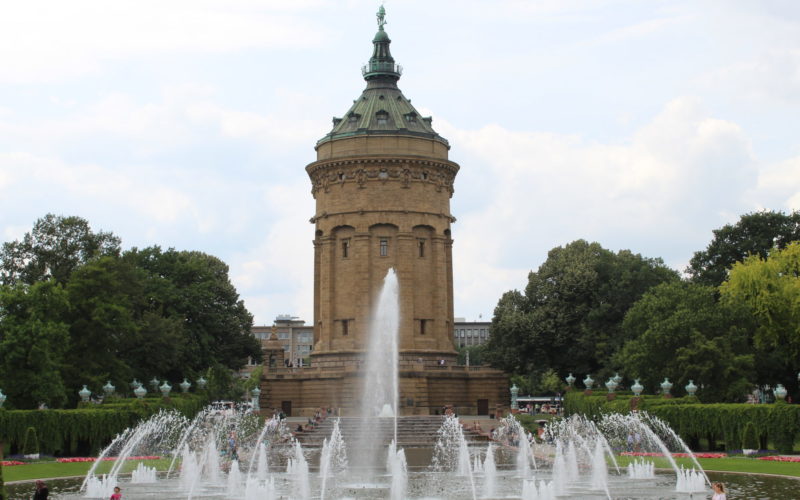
(380, 389)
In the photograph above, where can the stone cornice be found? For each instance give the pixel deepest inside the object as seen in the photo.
(361, 170)
(325, 215)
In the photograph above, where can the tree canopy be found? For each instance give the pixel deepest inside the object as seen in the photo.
(570, 317)
(679, 330)
(770, 290)
(755, 233)
(113, 316)
(54, 248)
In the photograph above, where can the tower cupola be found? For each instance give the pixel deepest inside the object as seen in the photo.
(381, 65)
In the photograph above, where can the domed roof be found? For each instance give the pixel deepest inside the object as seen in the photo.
(382, 109)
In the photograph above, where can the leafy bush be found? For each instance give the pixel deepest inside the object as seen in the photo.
(780, 423)
(31, 444)
(750, 437)
(86, 430)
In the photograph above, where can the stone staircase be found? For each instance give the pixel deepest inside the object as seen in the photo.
(412, 431)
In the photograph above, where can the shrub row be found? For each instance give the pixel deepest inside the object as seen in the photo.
(87, 429)
(776, 423)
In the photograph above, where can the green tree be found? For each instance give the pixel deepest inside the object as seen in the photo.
(54, 248)
(570, 317)
(33, 342)
(680, 330)
(770, 289)
(476, 354)
(194, 288)
(103, 323)
(755, 233)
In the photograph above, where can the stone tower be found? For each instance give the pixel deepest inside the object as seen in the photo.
(382, 183)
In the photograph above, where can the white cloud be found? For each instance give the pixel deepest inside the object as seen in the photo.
(47, 41)
(662, 189)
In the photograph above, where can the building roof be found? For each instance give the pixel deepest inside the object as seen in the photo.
(382, 109)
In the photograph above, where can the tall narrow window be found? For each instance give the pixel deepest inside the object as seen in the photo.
(346, 248)
(421, 247)
(422, 324)
(384, 247)
(345, 327)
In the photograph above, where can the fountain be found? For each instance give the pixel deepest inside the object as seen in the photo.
(575, 457)
(489, 473)
(639, 469)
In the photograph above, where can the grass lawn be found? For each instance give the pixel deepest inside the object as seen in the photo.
(44, 470)
(730, 464)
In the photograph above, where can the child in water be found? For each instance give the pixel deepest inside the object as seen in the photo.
(117, 494)
(719, 491)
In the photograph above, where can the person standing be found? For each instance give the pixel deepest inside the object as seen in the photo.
(117, 494)
(42, 493)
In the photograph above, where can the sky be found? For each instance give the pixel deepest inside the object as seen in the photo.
(642, 125)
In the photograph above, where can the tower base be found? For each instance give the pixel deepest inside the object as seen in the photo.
(425, 389)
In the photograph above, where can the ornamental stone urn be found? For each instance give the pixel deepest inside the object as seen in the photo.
(570, 380)
(140, 391)
(666, 385)
(780, 392)
(588, 382)
(109, 388)
(617, 378)
(135, 384)
(165, 388)
(2, 398)
(691, 388)
(84, 394)
(637, 388)
(612, 385)
(185, 385)
(201, 383)
(154, 383)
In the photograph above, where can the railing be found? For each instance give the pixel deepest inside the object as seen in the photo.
(381, 67)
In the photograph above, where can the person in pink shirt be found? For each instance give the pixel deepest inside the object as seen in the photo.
(117, 494)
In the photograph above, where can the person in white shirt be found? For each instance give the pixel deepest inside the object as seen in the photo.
(719, 491)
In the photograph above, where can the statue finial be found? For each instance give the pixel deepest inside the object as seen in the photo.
(381, 17)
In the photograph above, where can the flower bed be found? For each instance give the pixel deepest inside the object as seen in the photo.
(9, 463)
(677, 455)
(779, 458)
(109, 459)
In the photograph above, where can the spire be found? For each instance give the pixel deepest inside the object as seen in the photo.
(381, 65)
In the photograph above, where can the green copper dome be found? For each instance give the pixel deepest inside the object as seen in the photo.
(382, 109)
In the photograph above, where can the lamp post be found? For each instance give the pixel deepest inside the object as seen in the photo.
(637, 388)
(84, 394)
(185, 385)
(514, 393)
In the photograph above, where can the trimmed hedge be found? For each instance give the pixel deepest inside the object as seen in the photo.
(778, 423)
(87, 429)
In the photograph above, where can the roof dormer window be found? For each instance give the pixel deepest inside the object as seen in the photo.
(382, 117)
(353, 117)
(411, 117)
